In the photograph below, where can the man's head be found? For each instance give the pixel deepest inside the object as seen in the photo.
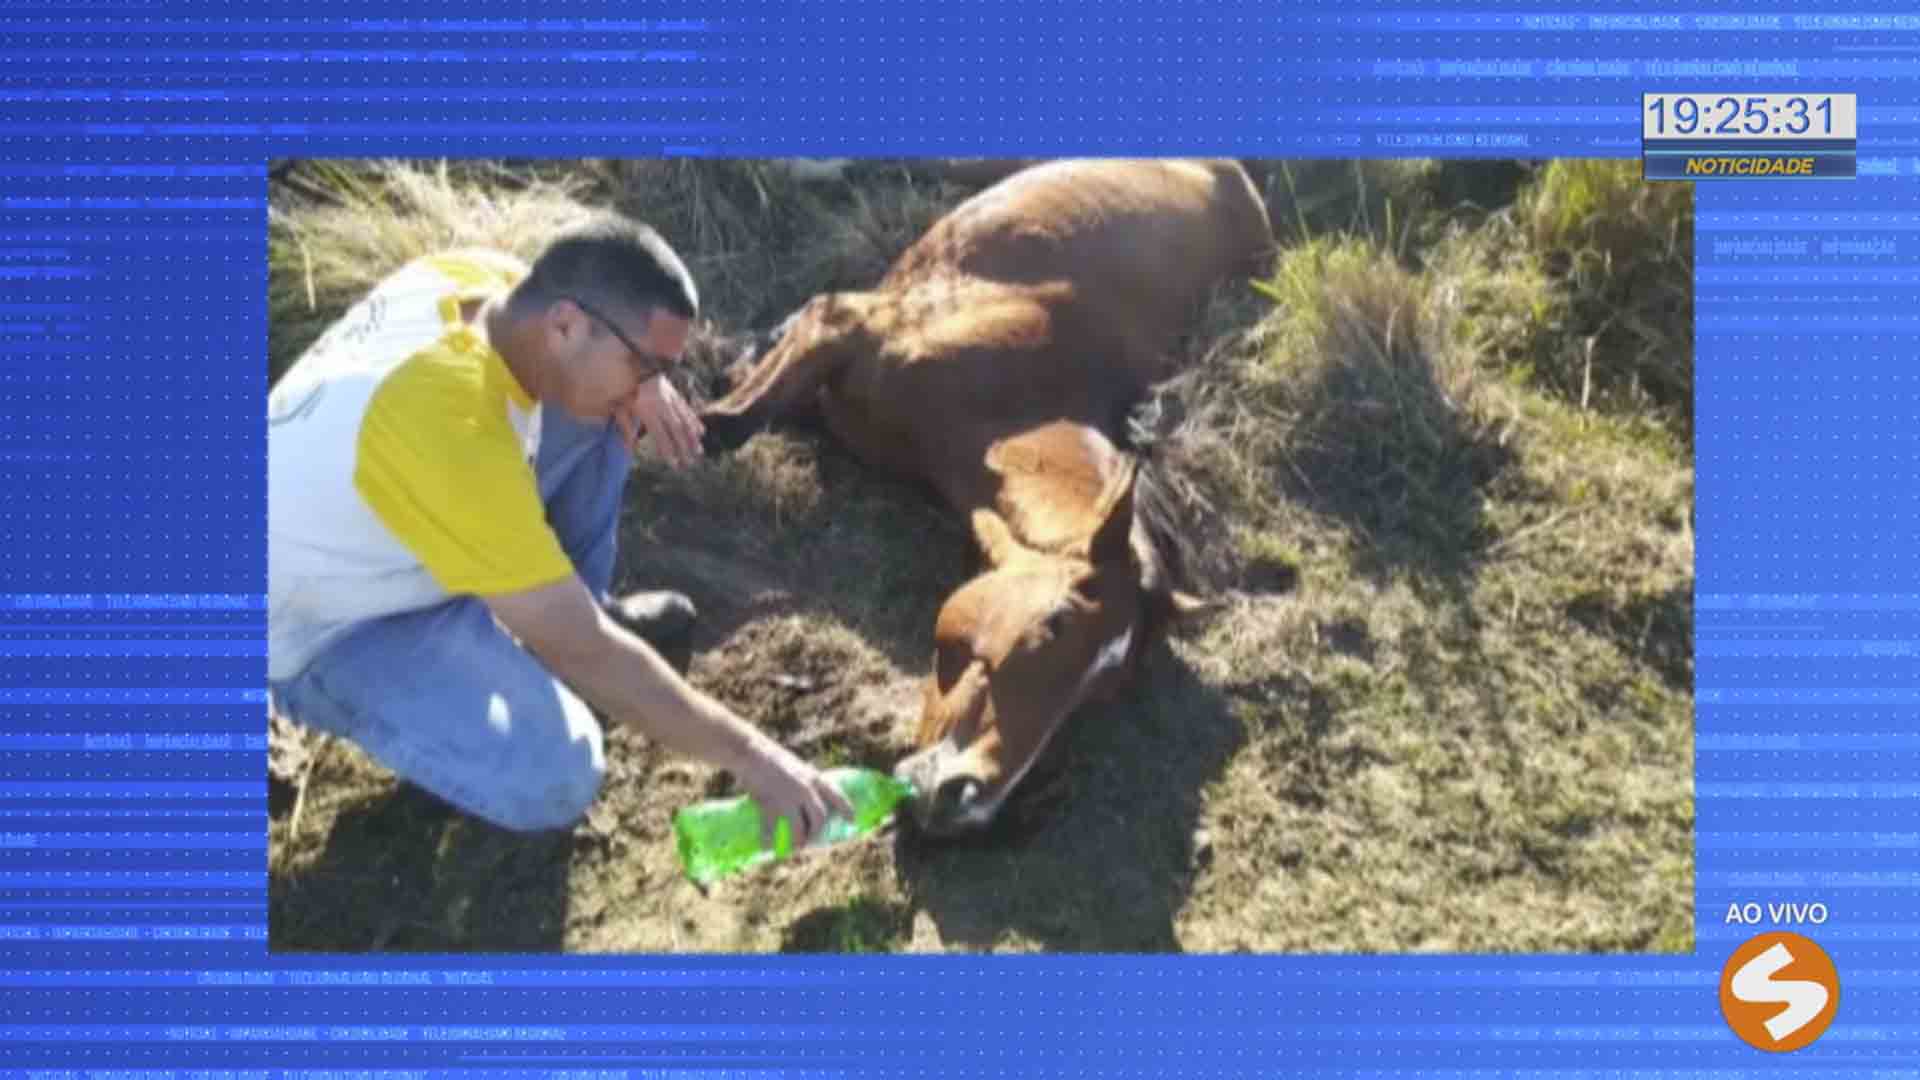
(605, 307)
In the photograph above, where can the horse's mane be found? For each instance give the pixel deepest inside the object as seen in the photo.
(1144, 433)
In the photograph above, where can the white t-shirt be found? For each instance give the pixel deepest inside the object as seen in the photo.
(400, 453)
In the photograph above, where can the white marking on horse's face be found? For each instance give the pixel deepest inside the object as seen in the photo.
(1110, 656)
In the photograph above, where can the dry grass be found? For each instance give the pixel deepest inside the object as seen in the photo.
(324, 253)
(1447, 708)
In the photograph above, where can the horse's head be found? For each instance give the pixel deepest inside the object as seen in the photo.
(1020, 647)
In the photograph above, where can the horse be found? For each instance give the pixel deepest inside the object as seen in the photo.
(995, 362)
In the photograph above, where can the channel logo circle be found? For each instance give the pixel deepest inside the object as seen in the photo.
(1779, 992)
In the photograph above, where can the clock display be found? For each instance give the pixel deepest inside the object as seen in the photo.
(1748, 116)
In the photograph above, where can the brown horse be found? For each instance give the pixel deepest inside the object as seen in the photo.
(996, 362)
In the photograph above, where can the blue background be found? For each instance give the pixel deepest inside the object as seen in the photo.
(132, 372)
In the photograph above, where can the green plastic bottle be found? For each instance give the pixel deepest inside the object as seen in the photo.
(721, 837)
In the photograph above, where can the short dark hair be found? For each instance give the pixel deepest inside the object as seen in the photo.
(614, 263)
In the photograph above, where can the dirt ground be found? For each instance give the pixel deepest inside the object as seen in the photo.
(1393, 739)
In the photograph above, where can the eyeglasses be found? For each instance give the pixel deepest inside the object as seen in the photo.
(647, 365)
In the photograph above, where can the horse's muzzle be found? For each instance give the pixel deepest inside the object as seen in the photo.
(948, 801)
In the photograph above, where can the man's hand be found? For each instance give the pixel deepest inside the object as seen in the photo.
(624, 676)
(658, 408)
(785, 786)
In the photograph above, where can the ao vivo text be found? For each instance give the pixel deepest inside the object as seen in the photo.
(1751, 914)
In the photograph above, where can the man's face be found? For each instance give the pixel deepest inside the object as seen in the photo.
(606, 354)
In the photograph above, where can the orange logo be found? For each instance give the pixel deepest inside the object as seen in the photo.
(1779, 992)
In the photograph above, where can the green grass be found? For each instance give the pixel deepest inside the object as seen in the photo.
(1583, 290)
(1477, 708)
(861, 925)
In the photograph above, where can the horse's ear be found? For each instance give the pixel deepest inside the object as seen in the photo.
(942, 715)
(1111, 539)
(995, 539)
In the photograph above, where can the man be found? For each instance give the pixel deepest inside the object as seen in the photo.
(446, 466)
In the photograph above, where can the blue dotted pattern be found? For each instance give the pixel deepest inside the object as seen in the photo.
(132, 336)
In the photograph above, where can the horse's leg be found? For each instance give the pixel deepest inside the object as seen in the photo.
(781, 387)
(718, 362)
(814, 346)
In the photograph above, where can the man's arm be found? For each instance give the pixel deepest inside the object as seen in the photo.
(622, 675)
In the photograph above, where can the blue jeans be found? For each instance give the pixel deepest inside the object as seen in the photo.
(447, 699)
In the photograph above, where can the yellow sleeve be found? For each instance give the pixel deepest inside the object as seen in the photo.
(441, 466)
